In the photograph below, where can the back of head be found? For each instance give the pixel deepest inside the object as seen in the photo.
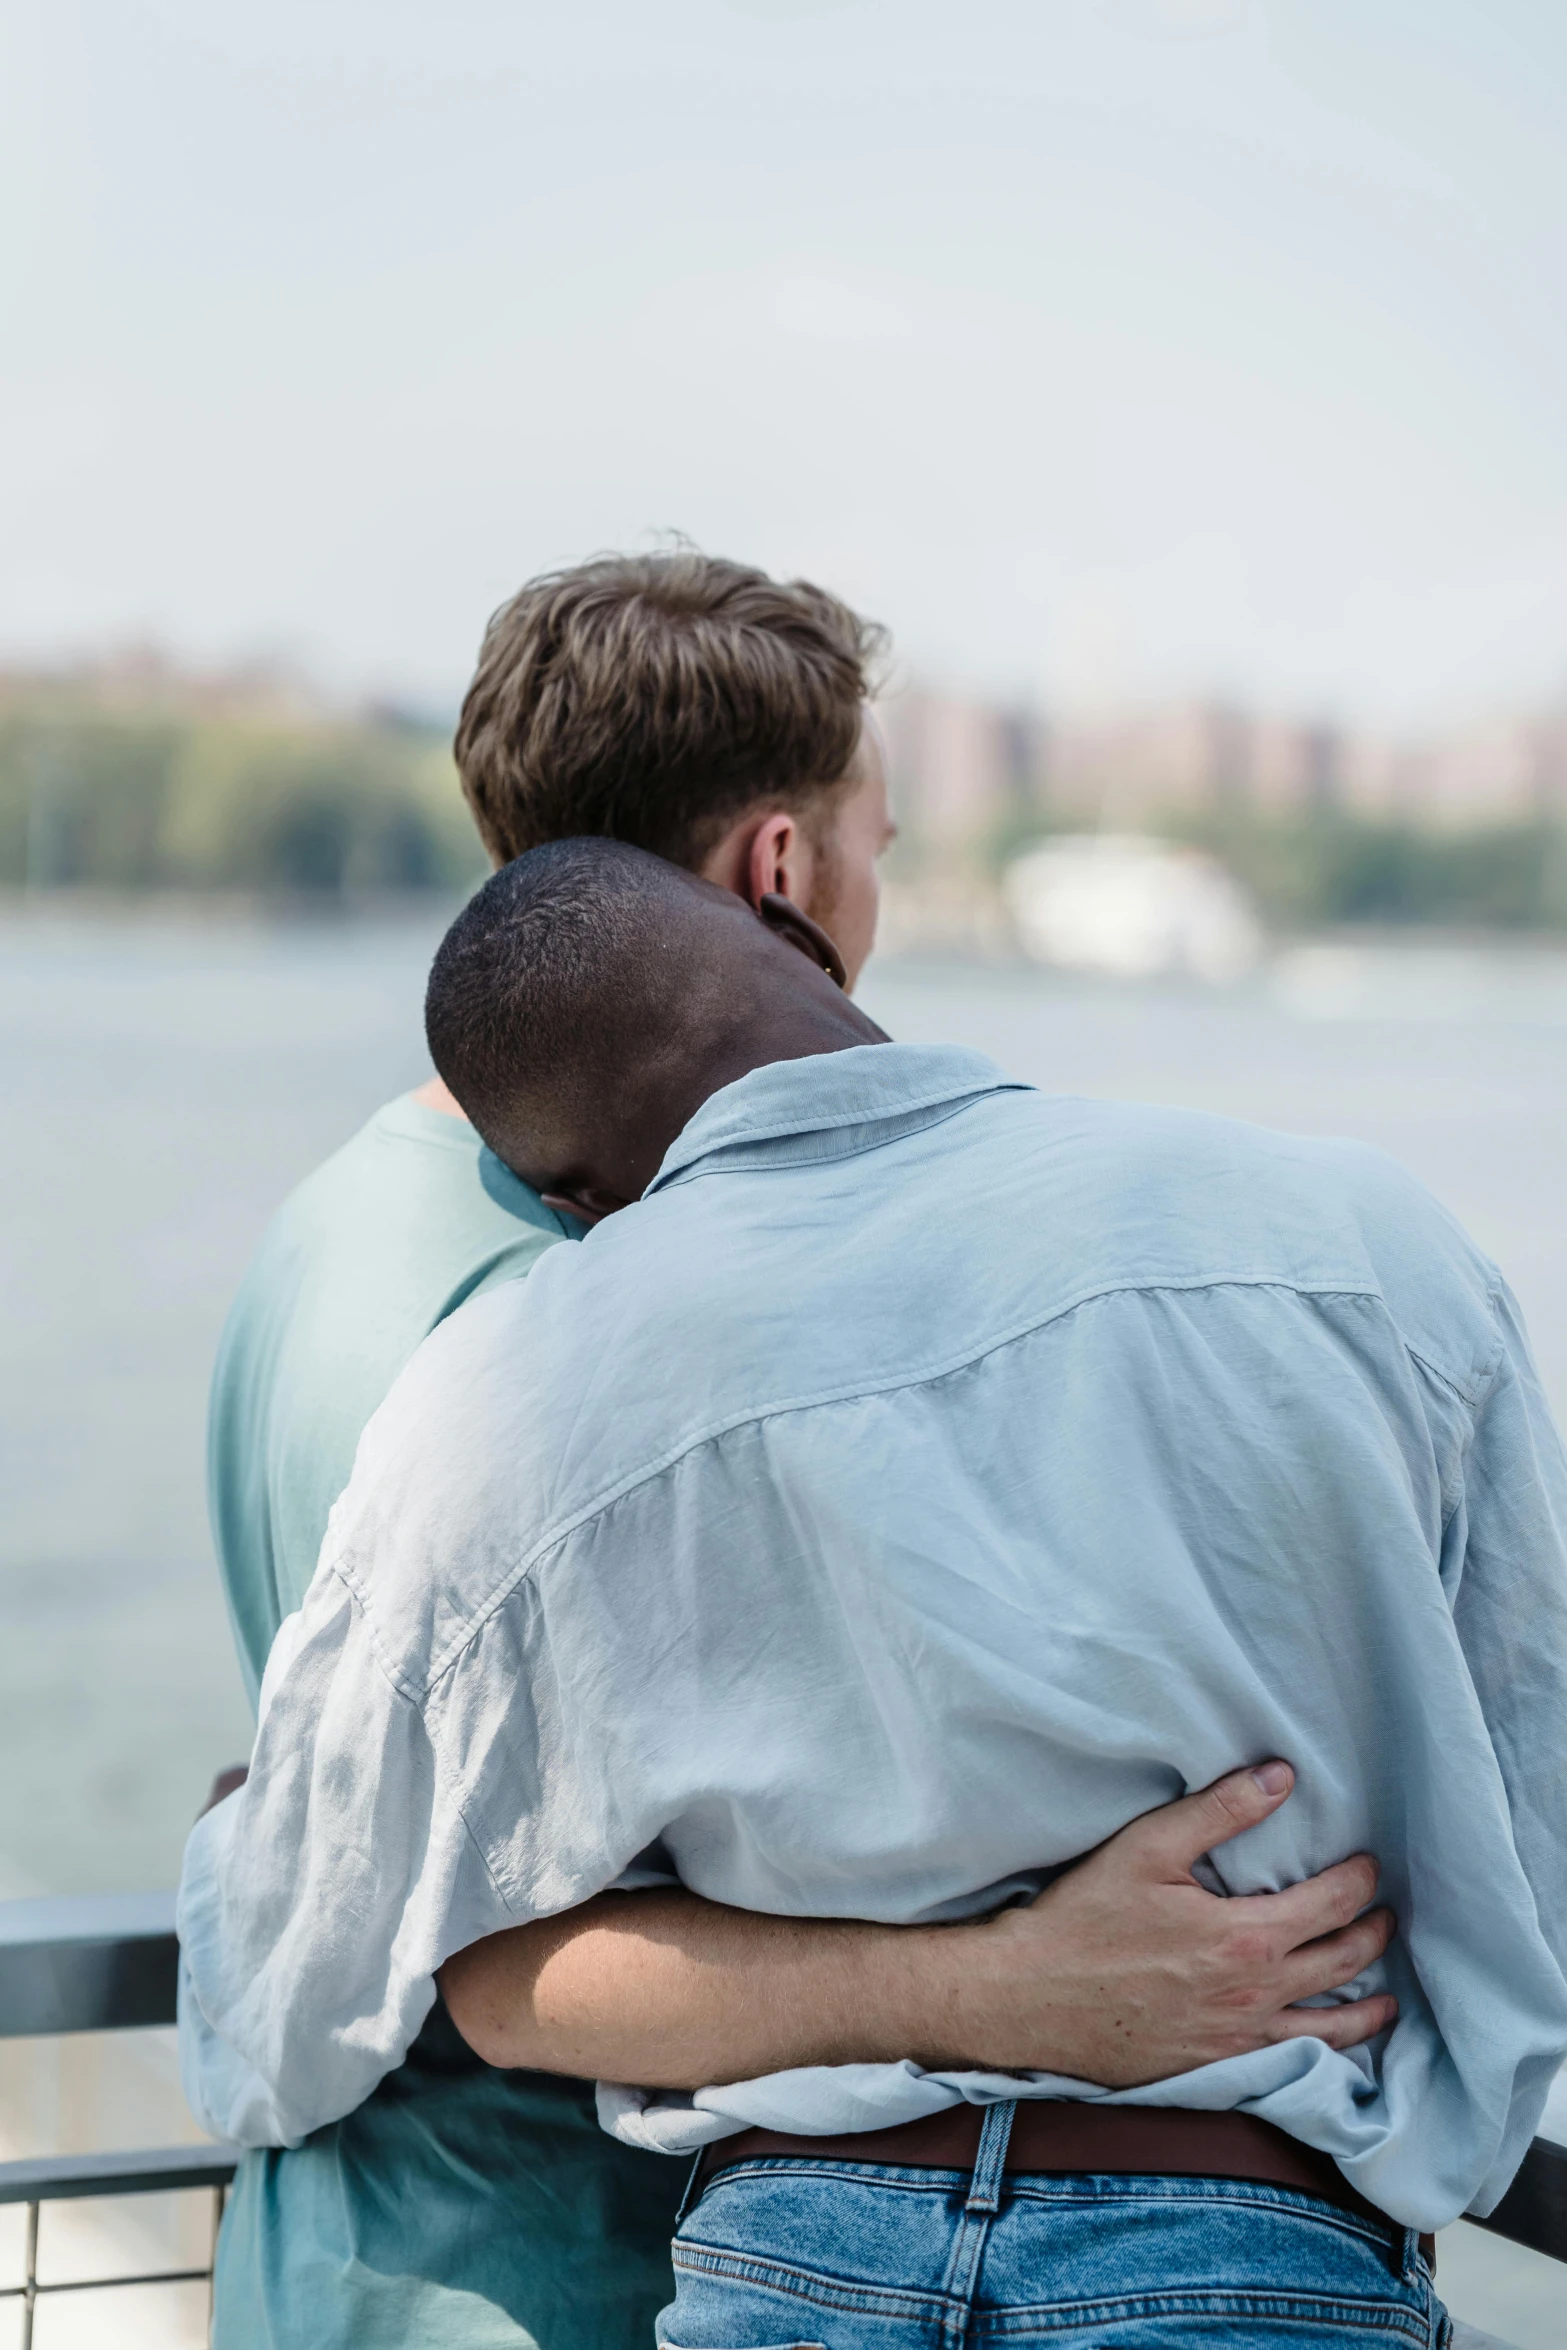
(584, 1003)
(655, 698)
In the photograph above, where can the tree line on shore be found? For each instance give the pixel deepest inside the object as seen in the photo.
(330, 809)
(263, 802)
(1329, 868)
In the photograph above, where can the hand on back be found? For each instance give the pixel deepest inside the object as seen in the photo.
(1127, 1970)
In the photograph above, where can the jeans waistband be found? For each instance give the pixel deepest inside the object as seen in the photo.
(1065, 2136)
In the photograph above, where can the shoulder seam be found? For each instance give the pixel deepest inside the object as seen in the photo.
(393, 1679)
(925, 1374)
(1468, 1391)
(1473, 1391)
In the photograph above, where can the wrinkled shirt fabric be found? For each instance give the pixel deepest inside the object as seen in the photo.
(928, 1476)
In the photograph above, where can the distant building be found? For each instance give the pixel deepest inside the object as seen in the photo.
(964, 772)
(144, 681)
(969, 776)
(1497, 771)
(1125, 770)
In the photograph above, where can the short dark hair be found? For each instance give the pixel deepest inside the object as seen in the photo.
(654, 698)
(561, 979)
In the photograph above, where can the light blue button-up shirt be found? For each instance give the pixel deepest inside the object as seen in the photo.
(928, 1476)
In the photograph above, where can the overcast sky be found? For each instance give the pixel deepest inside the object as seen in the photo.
(1101, 347)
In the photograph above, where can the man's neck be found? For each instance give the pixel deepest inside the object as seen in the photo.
(797, 1032)
(438, 1095)
(638, 1134)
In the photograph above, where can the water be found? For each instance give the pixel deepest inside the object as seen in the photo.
(163, 1083)
(165, 1078)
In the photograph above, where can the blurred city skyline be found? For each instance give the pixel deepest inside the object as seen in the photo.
(965, 766)
(1116, 353)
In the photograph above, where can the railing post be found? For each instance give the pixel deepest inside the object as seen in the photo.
(219, 2199)
(30, 2277)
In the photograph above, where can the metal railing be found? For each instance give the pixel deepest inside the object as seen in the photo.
(104, 1963)
(109, 1963)
(1534, 2209)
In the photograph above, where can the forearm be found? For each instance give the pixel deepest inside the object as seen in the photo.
(674, 1992)
(1125, 1970)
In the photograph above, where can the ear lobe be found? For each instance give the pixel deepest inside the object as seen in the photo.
(784, 916)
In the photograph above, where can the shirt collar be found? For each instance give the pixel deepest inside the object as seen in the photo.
(831, 1105)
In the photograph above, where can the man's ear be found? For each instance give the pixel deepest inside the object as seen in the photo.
(772, 859)
(586, 1203)
(784, 916)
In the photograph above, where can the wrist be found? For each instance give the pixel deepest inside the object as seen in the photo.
(961, 1996)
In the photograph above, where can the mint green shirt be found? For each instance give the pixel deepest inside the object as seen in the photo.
(458, 2208)
(363, 1261)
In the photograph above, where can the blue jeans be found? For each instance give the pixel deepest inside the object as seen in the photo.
(783, 2253)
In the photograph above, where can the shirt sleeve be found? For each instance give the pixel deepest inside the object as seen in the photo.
(1506, 1547)
(317, 1902)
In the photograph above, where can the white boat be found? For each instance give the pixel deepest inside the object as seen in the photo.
(1131, 907)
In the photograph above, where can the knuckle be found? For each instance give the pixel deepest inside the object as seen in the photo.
(1248, 1949)
(1218, 1809)
(1252, 2001)
(1315, 2023)
(1234, 1797)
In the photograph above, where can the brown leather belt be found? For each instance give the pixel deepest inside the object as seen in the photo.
(1116, 2141)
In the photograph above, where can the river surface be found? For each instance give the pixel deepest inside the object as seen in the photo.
(165, 1078)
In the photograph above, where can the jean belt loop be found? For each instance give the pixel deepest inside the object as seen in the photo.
(693, 2194)
(990, 2164)
(1409, 2256)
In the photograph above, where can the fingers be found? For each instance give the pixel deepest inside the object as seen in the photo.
(1322, 1904)
(1341, 2027)
(1338, 1958)
(1170, 1839)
